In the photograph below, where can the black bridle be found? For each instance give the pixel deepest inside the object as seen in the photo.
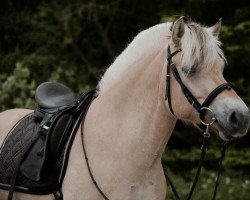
(201, 109)
(187, 93)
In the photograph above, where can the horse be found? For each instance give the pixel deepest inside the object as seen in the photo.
(128, 125)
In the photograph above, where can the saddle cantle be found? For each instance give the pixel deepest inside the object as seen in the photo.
(52, 95)
(34, 155)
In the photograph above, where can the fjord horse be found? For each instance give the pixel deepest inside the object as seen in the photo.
(129, 124)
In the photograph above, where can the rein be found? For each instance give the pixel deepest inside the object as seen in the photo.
(200, 108)
(206, 137)
(88, 166)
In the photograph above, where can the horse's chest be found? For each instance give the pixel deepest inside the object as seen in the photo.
(147, 192)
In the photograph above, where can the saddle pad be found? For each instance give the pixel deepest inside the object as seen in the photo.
(21, 139)
(16, 144)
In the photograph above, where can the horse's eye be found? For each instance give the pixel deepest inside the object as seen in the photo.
(189, 71)
(192, 71)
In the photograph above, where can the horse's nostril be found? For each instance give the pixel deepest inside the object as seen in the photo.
(234, 120)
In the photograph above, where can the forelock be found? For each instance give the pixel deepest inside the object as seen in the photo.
(199, 47)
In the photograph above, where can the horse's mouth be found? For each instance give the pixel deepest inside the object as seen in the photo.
(227, 134)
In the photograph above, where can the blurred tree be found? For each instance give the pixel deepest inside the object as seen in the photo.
(74, 41)
(71, 42)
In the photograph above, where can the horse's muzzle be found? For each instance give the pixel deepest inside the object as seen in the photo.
(233, 118)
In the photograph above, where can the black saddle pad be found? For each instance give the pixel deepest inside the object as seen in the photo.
(16, 144)
(23, 138)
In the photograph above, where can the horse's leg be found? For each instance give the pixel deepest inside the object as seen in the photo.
(7, 120)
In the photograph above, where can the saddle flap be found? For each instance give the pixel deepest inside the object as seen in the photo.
(48, 147)
(61, 131)
(34, 161)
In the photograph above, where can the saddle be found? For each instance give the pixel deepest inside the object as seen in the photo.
(34, 155)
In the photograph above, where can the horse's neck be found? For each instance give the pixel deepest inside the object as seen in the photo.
(127, 127)
(133, 117)
(143, 49)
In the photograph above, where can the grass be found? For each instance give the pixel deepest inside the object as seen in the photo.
(234, 181)
(232, 186)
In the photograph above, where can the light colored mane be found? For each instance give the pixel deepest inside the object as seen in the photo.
(199, 48)
(145, 46)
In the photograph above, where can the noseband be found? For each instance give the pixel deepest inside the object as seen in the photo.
(187, 93)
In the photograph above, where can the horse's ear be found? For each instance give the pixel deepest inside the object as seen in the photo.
(178, 30)
(216, 28)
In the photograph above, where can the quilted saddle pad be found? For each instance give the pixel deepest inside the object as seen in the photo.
(17, 143)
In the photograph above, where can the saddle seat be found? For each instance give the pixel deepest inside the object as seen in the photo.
(50, 96)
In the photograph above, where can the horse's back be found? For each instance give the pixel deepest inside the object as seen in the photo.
(9, 118)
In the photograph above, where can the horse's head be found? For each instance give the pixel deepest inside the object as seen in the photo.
(200, 64)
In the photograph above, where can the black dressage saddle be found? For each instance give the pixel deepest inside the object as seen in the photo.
(34, 155)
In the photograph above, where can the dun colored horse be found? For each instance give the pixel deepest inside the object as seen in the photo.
(129, 124)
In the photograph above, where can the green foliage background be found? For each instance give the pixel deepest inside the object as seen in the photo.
(73, 42)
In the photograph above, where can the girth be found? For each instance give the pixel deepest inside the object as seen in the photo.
(187, 93)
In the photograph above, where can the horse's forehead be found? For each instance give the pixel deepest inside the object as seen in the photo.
(218, 66)
(221, 62)
(213, 76)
